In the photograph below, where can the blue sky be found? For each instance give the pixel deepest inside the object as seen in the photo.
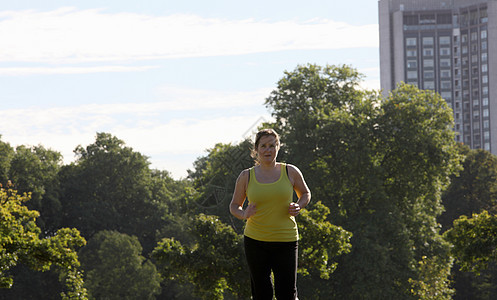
(170, 78)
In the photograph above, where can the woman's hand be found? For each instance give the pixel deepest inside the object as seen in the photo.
(249, 211)
(294, 209)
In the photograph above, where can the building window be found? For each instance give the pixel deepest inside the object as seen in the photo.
(429, 75)
(446, 85)
(411, 53)
(428, 63)
(483, 34)
(484, 57)
(464, 38)
(474, 58)
(411, 20)
(476, 125)
(474, 17)
(412, 64)
(474, 36)
(445, 74)
(429, 85)
(487, 146)
(484, 68)
(486, 135)
(411, 41)
(485, 112)
(428, 41)
(446, 95)
(484, 91)
(476, 114)
(445, 62)
(445, 40)
(444, 51)
(484, 45)
(412, 75)
(427, 19)
(486, 124)
(428, 52)
(484, 79)
(464, 49)
(483, 15)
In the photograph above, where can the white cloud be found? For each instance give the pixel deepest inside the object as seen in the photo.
(165, 131)
(22, 71)
(69, 35)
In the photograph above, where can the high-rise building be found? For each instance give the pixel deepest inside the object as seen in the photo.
(449, 46)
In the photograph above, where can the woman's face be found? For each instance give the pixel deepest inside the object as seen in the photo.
(268, 148)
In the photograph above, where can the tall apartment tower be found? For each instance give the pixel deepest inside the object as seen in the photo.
(449, 46)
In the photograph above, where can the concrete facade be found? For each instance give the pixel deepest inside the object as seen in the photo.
(449, 46)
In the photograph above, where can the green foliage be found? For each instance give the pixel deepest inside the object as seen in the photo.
(111, 187)
(6, 153)
(379, 165)
(115, 268)
(20, 244)
(433, 283)
(321, 242)
(377, 168)
(213, 263)
(214, 177)
(473, 189)
(474, 241)
(35, 170)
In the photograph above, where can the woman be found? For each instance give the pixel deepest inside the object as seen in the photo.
(271, 236)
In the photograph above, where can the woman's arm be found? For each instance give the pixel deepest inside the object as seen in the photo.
(301, 189)
(239, 195)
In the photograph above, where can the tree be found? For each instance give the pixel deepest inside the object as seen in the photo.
(110, 187)
(474, 241)
(321, 242)
(213, 263)
(20, 243)
(433, 280)
(473, 189)
(35, 170)
(115, 268)
(6, 153)
(379, 164)
(214, 179)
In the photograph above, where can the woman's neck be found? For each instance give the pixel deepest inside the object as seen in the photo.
(268, 166)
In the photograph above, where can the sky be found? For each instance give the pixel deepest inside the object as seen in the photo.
(169, 78)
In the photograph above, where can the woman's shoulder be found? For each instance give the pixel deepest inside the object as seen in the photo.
(244, 174)
(293, 172)
(292, 168)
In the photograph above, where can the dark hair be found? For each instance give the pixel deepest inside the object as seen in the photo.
(262, 133)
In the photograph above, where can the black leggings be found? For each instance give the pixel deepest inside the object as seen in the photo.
(281, 258)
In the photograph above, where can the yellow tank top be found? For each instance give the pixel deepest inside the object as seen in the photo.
(272, 222)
